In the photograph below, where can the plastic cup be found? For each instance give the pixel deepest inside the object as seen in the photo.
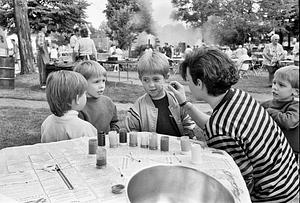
(123, 136)
(93, 143)
(133, 142)
(197, 153)
(153, 143)
(144, 140)
(113, 139)
(185, 144)
(164, 143)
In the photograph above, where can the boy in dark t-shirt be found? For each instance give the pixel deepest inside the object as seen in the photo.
(157, 110)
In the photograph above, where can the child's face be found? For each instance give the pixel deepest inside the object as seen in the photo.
(154, 85)
(96, 86)
(282, 90)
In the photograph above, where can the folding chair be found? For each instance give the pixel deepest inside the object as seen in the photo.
(245, 67)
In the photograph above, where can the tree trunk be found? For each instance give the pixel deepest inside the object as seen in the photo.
(23, 32)
(129, 51)
(289, 40)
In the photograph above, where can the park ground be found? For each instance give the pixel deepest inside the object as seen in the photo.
(118, 78)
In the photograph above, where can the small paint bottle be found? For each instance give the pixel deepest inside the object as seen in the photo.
(101, 151)
(123, 136)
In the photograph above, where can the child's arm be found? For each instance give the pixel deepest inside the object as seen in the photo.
(288, 119)
(114, 121)
(133, 120)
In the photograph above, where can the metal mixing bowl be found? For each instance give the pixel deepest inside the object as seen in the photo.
(175, 184)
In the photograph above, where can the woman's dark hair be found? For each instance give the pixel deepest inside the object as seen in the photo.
(213, 67)
(84, 32)
(76, 30)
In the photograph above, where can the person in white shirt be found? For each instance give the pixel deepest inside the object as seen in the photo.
(228, 52)
(239, 51)
(66, 96)
(148, 48)
(85, 47)
(273, 53)
(73, 40)
(188, 50)
(243, 63)
(119, 54)
(53, 53)
(295, 52)
(112, 49)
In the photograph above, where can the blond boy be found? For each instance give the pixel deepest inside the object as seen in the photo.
(284, 107)
(157, 110)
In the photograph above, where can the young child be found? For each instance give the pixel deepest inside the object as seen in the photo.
(157, 110)
(284, 107)
(66, 95)
(53, 53)
(99, 110)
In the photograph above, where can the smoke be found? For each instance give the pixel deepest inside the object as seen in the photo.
(209, 30)
(143, 19)
(173, 34)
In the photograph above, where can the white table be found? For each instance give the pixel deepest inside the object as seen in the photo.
(286, 62)
(26, 175)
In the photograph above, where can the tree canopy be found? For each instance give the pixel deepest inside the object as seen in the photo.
(59, 15)
(236, 21)
(126, 19)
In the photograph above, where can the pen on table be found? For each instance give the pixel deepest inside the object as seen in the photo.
(120, 171)
(131, 156)
(65, 179)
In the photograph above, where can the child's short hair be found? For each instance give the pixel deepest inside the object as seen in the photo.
(213, 67)
(290, 74)
(90, 69)
(153, 63)
(62, 87)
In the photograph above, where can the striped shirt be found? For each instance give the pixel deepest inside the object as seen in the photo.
(241, 127)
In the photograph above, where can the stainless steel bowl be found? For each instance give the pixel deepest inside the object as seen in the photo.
(175, 184)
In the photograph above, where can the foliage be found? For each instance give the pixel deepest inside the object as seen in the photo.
(196, 13)
(282, 15)
(59, 15)
(238, 21)
(126, 19)
(100, 32)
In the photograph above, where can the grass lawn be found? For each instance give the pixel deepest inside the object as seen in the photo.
(21, 126)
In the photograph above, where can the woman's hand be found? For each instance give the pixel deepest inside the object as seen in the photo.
(178, 90)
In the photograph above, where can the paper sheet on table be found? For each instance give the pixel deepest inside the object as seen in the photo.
(22, 187)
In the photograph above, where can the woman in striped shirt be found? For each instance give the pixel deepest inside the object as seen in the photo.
(240, 126)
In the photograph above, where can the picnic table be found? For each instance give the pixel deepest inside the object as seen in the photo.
(27, 172)
(56, 66)
(286, 62)
(125, 63)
